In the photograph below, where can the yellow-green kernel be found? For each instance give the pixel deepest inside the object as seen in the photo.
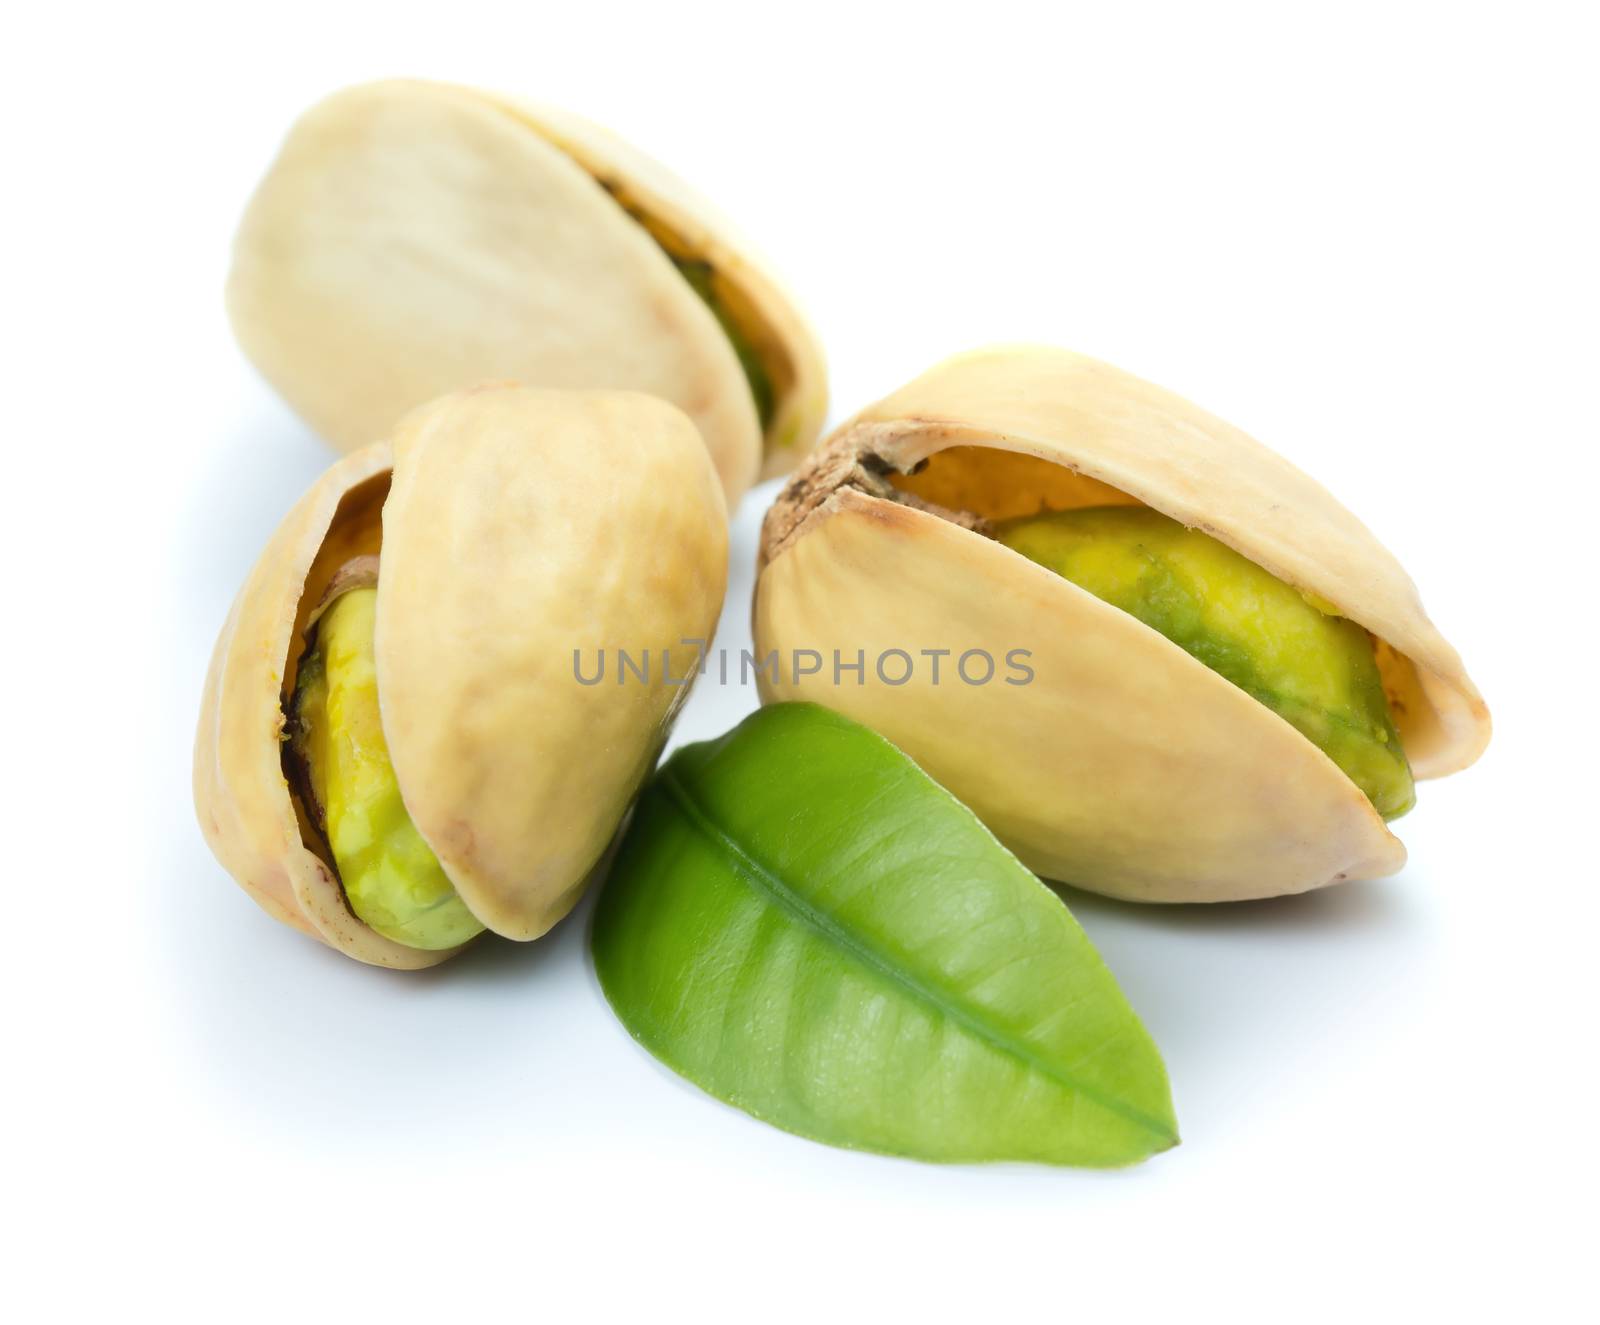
(391, 878)
(1292, 652)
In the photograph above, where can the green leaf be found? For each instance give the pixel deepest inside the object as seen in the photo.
(807, 926)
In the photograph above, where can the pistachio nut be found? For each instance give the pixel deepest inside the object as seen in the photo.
(1157, 659)
(397, 747)
(412, 238)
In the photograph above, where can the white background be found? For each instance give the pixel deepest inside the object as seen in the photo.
(1365, 233)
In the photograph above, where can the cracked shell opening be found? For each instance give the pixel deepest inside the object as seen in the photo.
(1342, 688)
(335, 759)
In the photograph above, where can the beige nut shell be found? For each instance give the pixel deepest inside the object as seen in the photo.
(412, 238)
(517, 525)
(688, 224)
(1125, 766)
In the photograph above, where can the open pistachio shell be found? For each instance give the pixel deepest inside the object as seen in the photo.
(514, 527)
(412, 238)
(1123, 764)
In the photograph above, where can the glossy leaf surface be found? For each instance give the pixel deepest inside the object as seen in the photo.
(804, 924)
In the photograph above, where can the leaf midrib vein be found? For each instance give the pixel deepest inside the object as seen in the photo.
(767, 881)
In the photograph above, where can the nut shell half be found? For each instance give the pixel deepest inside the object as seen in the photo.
(1125, 766)
(412, 238)
(513, 526)
(687, 225)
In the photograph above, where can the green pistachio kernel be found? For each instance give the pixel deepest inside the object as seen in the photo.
(699, 276)
(392, 879)
(1292, 652)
